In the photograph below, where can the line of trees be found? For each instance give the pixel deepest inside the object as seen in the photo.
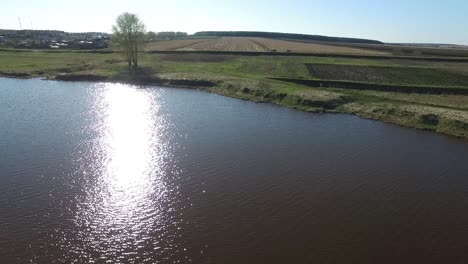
(283, 36)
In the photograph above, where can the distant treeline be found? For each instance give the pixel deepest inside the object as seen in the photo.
(282, 36)
(46, 32)
(31, 32)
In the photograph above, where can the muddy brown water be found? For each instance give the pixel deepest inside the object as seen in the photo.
(109, 173)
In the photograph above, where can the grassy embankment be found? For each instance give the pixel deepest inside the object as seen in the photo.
(248, 78)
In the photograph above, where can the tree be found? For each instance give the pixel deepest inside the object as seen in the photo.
(129, 33)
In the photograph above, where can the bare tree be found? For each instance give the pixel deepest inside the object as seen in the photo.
(129, 33)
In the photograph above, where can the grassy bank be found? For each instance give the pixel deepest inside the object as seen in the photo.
(250, 78)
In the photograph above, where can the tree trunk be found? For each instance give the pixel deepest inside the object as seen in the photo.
(129, 51)
(135, 62)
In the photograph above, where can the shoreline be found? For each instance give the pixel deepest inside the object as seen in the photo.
(333, 104)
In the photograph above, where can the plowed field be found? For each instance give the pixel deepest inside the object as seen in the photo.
(254, 45)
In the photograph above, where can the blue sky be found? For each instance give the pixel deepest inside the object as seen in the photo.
(386, 20)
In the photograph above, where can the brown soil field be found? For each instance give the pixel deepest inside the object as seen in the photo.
(168, 45)
(250, 44)
(406, 50)
(303, 47)
(388, 75)
(228, 44)
(255, 45)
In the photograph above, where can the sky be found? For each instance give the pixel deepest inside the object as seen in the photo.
(402, 21)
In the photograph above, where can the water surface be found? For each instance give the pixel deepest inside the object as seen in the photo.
(109, 173)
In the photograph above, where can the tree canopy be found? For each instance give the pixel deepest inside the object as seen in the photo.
(128, 33)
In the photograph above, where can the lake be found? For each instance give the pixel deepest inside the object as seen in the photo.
(113, 173)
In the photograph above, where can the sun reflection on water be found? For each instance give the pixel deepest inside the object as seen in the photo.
(129, 138)
(123, 213)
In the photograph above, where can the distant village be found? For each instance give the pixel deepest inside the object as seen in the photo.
(51, 39)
